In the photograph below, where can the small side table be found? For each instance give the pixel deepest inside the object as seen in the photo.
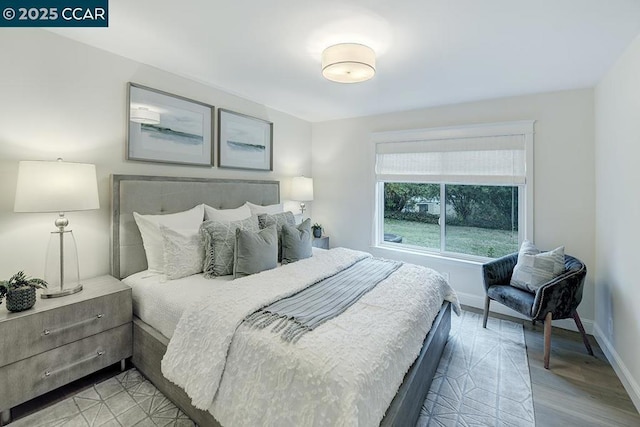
(321, 242)
(62, 339)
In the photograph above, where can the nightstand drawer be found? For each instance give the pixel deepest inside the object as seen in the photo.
(39, 374)
(27, 335)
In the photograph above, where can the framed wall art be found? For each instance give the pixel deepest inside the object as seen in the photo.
(168, 128)
(244, 142)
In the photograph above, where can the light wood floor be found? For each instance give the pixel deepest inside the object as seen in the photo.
(577, 389)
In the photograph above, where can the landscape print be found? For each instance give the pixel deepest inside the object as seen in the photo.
(244, 142)
(182, 134)
(177, 127)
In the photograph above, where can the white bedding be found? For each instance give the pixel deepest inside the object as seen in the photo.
(345, 372)
(161, 302)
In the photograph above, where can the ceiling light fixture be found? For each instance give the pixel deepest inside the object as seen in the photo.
(348, 63)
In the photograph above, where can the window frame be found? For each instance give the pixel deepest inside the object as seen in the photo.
(525, 191)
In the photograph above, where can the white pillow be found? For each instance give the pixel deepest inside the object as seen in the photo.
(183, 252)
(535, 268)
(237, 214)
(149, 226)
(270, 209)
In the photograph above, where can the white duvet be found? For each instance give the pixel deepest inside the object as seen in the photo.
(160, 302)
(344, 373)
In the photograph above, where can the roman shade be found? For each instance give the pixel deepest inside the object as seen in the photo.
(482, 156)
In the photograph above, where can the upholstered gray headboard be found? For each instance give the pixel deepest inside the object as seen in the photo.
(162, 195)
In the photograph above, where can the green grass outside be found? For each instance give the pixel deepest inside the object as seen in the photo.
(466, 240)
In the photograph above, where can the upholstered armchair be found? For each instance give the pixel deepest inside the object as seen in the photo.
(556, 299)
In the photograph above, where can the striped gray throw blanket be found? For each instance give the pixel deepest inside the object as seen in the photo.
(302, 312)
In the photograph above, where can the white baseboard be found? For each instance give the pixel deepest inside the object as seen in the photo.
(478, 301)
(629, 383)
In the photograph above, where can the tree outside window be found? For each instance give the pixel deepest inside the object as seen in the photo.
(476, 220)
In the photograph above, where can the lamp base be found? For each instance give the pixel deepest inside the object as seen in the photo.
(60, 292)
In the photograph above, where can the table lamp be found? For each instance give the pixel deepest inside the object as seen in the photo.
(58, 186)
(302, 190)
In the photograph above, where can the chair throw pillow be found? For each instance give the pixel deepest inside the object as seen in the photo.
(296, 242)
(255, 251)
(219, 244)
(535, 268)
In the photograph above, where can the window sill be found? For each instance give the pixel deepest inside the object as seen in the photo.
(461, 259)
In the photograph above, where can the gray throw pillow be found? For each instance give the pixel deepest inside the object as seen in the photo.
(219, 243)
(279, 219)
(296, 242)
(535, 268)
(255, 251)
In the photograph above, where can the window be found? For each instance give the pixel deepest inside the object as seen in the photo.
(461, 192)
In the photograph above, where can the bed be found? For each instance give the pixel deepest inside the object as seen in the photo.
(157, 195)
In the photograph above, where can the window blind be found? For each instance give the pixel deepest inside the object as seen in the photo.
(489, 160)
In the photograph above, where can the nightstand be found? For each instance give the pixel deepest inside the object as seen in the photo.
(62, 339)
(321, 242)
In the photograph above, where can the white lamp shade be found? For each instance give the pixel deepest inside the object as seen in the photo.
(144, 115)
(56, 186)
(302, 189)
(348, 63)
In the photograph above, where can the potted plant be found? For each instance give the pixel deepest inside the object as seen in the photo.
(20, 291)
(317, 230)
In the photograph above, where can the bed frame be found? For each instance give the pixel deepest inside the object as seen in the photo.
(161, 195)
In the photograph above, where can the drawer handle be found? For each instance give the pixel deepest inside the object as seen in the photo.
(98, 353)
(91, 319)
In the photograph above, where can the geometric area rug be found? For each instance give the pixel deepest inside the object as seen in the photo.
(483, 377)
(128, 399)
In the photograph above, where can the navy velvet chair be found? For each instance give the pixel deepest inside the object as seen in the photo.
(556, 299)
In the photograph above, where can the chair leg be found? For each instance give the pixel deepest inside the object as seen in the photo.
(584, 334)
(487, 301)
(547, 339)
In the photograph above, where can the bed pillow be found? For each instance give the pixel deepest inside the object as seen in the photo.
(236, 214)
(269, 209)
(183, 252)
(255, 251)
(279, 219)
(149, 226)
(535, 268)
(219, 243)
(296, 242)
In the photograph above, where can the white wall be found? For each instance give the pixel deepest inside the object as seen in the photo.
(60, 98)
(563, 174)
(617, 149)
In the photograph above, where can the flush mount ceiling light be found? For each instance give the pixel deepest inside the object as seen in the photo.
(145, 116)
(348, 63)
